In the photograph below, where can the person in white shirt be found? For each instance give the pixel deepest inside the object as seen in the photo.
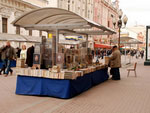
(23, 53)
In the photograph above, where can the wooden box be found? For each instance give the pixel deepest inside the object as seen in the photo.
(106, 60)
(20, 63)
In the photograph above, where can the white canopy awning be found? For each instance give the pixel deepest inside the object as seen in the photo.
(19, 38)
(49, 19)
(70, 42)
(127, 40)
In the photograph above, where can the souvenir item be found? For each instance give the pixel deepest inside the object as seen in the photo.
(36, 58)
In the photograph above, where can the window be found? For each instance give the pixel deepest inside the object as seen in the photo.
(68, 5)
(108, 23)
(4, 25)
(30, 32)
(18, 30)
(40, 33)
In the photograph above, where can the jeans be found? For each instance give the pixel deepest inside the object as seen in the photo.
(3, 66)
(8, 64)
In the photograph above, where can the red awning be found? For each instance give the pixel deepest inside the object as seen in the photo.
(106, 46)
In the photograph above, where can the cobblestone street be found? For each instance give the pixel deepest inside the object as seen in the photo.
(129, 95)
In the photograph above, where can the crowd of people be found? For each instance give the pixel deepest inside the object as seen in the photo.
(115, 58)
(100, 53)
(134, 53)
(9, 53)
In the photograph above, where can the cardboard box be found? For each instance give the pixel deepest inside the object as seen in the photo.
(20, 63)
(106, 60)
(62, 75)
(48, 75)
(34, 72)
(26, 71)
(55, 75)
(43, 73)
(69, 75)
(55, 69)
(79, 73)
(39, 73)
(17, 71)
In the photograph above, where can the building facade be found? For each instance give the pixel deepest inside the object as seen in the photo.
(9, 10)
(12, 9)
(104, 12)
(83, 8)
(39, 3)
(100, 11)
(141, 34)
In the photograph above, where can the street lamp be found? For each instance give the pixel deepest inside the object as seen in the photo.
(119, 23)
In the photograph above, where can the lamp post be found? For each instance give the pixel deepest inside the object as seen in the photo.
(119, 23)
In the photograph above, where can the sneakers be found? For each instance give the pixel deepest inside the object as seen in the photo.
(11, 72)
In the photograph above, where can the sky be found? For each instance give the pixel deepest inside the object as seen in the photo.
(137, 11)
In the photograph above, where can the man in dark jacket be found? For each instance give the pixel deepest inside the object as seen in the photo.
(2, 50)
(29, 60)
(8, 55)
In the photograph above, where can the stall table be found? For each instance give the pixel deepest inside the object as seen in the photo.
(28, 85)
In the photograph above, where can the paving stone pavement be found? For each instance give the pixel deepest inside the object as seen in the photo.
(129, 95)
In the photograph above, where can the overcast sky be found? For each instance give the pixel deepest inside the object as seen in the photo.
(137, 11)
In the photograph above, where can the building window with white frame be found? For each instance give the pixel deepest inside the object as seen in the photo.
(30, 32)
(4, 25)
(18, 30)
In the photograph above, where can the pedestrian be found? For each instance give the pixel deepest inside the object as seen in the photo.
(138, 54)
(2, 51)
(115, 63)
(18, 52)
(23, 53)
(142, 54)
(9, 55)
(30, 52)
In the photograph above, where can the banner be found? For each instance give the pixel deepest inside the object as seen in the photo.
(50, 35)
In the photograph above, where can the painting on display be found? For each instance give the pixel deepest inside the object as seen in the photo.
(36, 59)
(60, 58)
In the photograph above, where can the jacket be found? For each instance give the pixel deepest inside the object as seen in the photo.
(115, 59)
(2, 51)
(30, 52)
(10, 50)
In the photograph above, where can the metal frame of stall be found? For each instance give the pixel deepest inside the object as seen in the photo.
(60, 21)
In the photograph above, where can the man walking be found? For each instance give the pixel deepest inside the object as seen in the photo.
(9, 55)
(2, 51)
(115, 63)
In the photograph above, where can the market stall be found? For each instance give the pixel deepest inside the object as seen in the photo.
(58, 71)
(17, 41)
(64, 88)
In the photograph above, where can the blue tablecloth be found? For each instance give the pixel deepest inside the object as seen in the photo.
(27, 85)
(13, 63)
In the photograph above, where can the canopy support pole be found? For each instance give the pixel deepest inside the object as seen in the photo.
(87, 41)
(57, 40)
(57, 45)
(125, 54)
(130, 55)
